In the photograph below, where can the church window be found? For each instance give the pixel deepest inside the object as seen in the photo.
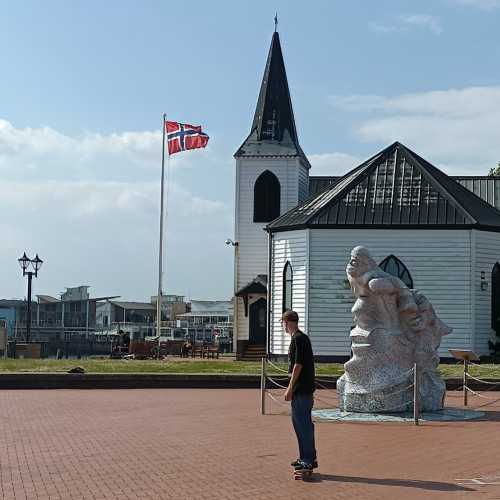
(394, 266)
(287, 287)
(266, 198)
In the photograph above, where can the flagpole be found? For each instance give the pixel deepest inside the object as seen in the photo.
(160, 254)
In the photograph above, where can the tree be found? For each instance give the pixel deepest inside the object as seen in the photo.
(495, 171)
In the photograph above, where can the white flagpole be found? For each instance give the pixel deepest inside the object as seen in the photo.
(160, 254)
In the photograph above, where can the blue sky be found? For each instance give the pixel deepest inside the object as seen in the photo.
(84, 84)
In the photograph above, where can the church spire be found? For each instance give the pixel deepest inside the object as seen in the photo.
(273, 130)
(274, 113)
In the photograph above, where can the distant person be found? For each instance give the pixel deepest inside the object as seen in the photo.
(186, 348)
(126, 340)
(300, 391)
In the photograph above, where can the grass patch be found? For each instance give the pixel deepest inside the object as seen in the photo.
(178, 365)
(149, 366)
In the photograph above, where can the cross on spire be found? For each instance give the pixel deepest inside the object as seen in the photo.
(276, 22)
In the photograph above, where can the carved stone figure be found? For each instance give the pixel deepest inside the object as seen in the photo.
(394, 328)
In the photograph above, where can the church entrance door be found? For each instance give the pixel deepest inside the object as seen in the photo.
(258, 322)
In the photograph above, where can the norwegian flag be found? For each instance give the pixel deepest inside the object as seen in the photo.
(181, 136)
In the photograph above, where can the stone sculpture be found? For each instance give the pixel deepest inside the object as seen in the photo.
(394, 328)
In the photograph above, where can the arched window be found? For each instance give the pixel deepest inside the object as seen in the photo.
(287, 287)
(394, 266)
(495, 298)
(266, 197)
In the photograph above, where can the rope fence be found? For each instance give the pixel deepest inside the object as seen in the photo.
(489, 384)
(326, 396)
(468, 391)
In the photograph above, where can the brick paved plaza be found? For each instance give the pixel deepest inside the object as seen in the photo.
(213, 444)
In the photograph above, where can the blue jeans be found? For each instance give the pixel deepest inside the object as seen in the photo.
(303, 425)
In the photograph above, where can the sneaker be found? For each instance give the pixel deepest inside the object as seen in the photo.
(303, 466)
(298, 461)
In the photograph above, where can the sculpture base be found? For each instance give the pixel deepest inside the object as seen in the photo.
(445, 415)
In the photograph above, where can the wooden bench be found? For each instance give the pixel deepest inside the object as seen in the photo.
(211, 351)
(197, 350)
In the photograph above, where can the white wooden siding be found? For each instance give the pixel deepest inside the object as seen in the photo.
(487, 254)
(251, 237)
(292, 247)
(439, 262)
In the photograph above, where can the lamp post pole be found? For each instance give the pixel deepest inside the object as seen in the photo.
(25, 262)
(28, 324)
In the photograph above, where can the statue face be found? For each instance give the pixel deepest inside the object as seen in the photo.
(353, 266)
(358, 265)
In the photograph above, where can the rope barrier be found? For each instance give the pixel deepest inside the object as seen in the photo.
(276, 383)
(482, 381)
(277, 367)
(323, 386)
(324, 380)
(326, 397)
(277, 400)
(487, 404)
(400, 391)
(316, 398)
(481, 395)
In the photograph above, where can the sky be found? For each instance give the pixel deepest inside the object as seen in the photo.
(83, 87)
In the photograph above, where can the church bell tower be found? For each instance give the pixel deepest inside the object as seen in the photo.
(272, 177)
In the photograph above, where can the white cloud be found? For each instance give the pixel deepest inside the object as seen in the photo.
(332, 163)
(82, 199)
(408, 23)
(431, 23)
(481, 4)
(46, 153)
(89, 206)
(456, 129)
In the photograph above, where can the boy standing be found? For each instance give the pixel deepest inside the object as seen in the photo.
(300, 390)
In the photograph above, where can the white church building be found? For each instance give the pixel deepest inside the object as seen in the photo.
(294, 233)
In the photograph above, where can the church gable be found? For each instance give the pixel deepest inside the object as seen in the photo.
(396, 187)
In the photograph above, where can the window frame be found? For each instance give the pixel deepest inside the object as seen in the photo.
(402, 269)
(287, 279)
(266, 197)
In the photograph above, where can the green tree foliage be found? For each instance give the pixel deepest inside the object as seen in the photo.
(495, 171)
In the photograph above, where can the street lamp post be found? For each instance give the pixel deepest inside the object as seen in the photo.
(25, 262)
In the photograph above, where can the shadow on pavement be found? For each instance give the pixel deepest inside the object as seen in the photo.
(490, 416)
(406, 483)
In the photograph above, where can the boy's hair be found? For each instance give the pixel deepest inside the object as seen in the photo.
(290, 316)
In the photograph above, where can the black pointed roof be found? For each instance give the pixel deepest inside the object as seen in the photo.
(273, 130)
(394, 188)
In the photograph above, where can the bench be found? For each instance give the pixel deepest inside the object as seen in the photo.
(197, 350)
(211, 351)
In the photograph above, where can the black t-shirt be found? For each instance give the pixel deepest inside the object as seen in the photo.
(300, 351)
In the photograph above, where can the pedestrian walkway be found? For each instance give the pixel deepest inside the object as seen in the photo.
(213, 444)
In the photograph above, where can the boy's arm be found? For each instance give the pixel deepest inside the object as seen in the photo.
(297, 368)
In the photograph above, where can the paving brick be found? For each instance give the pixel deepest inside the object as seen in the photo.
(213, 444)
